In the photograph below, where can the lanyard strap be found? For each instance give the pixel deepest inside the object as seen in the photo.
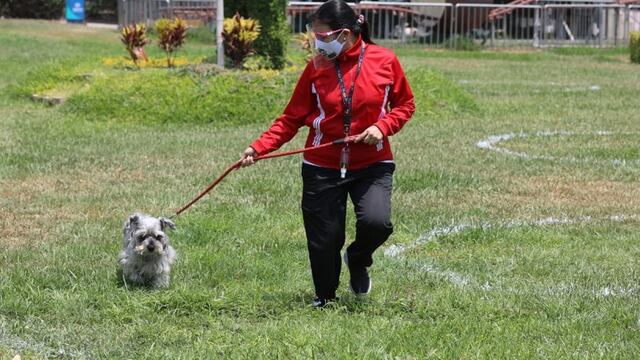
(347, 98)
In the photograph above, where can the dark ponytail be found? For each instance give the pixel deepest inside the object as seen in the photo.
(337, 14)
(364, 31)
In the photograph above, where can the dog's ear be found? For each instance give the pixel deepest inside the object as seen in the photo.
(131, 223)
(164, 223)
(133, 219)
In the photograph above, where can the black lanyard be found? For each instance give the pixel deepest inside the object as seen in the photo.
(347, 99)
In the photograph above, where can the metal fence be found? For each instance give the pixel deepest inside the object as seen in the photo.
(538, 24)
(443, 24)
(147, 11)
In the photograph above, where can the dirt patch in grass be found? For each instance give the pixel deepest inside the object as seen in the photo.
(557, 196)
(579, 193)
(38, 208)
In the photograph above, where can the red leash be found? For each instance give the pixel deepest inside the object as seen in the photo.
(236, 165)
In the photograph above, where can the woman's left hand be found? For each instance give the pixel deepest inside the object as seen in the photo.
(371, 136)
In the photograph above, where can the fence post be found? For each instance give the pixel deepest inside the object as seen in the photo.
(616, 24)
(601, 25)
(536, 27)
(403, 19)
(493, 31)
(504, 30)
(219, 27)
(544, 14)
(146, 8)
(120, 17)
(627, 18)
(454, 26)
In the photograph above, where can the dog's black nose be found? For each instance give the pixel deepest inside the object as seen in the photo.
(151, 247)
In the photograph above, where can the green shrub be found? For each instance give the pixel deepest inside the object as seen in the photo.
(634, 46)
(32, 9)
(274, 37)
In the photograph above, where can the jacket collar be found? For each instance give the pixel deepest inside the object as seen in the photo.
(353, 52)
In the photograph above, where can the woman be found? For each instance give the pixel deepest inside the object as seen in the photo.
(361, 89)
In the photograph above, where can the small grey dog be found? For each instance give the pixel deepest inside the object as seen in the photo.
(146, 255)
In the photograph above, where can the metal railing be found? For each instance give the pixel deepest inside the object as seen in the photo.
(589, 25)
(147, 11)
(536, 24)
(397, 23)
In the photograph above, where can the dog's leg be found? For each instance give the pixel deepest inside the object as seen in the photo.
(161, 281)
(133, 276)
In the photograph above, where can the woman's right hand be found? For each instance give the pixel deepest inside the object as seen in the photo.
(247, 157)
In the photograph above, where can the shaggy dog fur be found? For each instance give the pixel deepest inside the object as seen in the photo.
(146, 255)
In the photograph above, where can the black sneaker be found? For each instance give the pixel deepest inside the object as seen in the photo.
(320, 303)
(360, 282)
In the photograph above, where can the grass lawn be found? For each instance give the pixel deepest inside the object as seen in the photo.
(494, 256)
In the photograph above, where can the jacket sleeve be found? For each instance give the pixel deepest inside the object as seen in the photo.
(401, 102)
(285, 127)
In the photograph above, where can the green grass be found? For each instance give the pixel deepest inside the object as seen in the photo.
(70, 175)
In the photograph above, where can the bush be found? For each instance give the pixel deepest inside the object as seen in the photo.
(238, 35)
(134, 39)
(172, 34)
(32, 9)
(274, 38)
(634, 46)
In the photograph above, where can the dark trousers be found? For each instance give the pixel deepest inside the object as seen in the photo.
(324, 203)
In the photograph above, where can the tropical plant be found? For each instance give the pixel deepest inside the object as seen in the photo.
(172, 34)
(304, 40)
(134, 39)
(239, 34)
(275, 35)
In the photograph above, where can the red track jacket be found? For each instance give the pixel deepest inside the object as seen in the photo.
(382, 97)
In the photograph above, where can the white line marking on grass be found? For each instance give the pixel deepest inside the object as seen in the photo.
(453, 277)
(616, 291)
(580, 88)
(396, 251)
(492, 141)
(19, 345)
(536, 87)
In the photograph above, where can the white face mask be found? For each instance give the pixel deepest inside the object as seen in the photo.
(330, 49)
